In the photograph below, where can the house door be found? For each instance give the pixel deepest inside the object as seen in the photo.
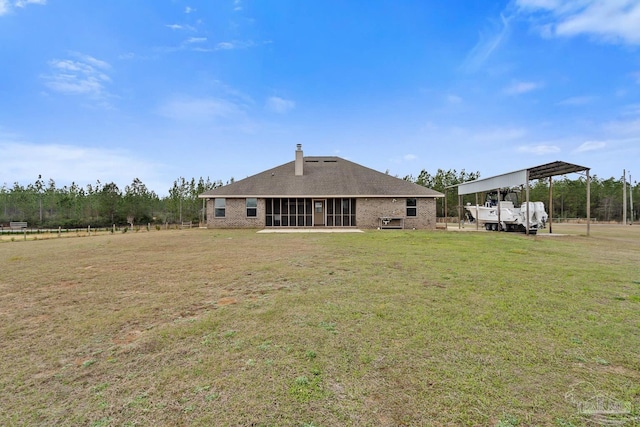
(318, 212)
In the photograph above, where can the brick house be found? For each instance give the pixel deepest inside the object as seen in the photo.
(321, 192)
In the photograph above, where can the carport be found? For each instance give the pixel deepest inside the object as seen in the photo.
(522, 178)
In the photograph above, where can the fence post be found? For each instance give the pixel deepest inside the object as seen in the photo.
(59, 231)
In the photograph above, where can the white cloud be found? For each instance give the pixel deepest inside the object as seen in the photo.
(238, 44)
(280, 105)
(4, 7)
(189, 9)
(237, 5)
(83, 75)
(577, 100)
(69, 163)
(94, 62)
(540, 149)
(178, 27)
(200, 109)
(518, 88)
(630, 127)
(591, 146)
(544, 4)
(225, 46)
(487, 44)
(192, 40)
(454, 99)
(609, 21)
(199, 44)
(24, 3)
(410, 157)
(631, 110)
(194, 44)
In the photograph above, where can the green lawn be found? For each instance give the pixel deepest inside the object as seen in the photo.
(382, 328)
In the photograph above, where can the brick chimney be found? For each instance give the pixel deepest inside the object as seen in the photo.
(299, 160)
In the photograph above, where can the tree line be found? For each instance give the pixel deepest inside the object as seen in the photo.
(569, 195)
(43, 204)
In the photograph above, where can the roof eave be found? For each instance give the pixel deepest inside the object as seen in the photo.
(323, 196)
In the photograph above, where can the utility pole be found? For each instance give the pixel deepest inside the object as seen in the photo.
(631, 196)
(624, 196)
(39, 187)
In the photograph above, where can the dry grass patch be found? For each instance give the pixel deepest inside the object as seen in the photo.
(202, 327)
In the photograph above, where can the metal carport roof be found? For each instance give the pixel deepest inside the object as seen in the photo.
(522, 178)
(518, 178)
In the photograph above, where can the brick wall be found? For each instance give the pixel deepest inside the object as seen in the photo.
(369, 211)
(236, 215)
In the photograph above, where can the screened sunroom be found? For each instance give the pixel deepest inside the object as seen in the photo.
(308, 212)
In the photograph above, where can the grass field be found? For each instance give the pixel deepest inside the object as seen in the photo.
(382, 328)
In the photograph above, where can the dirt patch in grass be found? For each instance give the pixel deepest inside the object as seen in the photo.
(227, 301)
(127, 338)
(205, 327)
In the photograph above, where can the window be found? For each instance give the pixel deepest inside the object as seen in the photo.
(252, 207)
(411, 207)
(219, 208)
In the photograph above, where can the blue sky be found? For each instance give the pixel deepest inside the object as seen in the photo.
(158, 89)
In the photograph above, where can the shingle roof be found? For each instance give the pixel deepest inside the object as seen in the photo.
(322, 177)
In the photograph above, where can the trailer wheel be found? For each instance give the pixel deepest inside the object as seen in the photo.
(487, 227)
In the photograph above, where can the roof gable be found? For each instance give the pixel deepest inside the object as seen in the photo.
(322, 177)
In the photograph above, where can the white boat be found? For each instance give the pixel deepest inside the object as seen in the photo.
(503, 214)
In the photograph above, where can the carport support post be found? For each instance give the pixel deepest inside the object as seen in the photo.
(477, 222)
(550, 205)
(498, 191)
(624, 197)
(588, 204)
(527, 221)
(446, 225)
(459, 211)
(631, 197)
